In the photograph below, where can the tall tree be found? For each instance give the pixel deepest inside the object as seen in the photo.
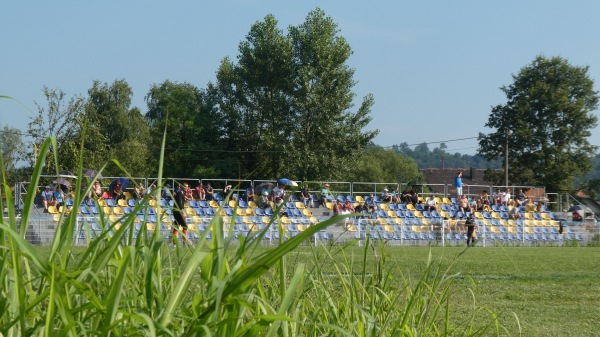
(13, 151)
(59, 119)
(114, 129)
(193, 130)
(546, 121)
(254, 97)
(287, 102)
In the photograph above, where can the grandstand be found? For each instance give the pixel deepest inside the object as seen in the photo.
(395, 223)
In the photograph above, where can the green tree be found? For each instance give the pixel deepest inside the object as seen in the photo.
(378, 164)
(60, 119)
(287, 102)
(549, 116)
(13, 151)
(113, 129)
(254, 99)
(193, 130)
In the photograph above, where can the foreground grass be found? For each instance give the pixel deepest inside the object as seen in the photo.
(531, 291)
(552, 291)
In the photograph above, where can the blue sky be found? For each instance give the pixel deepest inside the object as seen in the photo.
(434, 67)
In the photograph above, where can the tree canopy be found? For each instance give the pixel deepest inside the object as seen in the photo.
(547, 120)
(287, 103)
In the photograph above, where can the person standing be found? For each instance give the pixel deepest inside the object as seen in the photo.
(470, 224)
(179, 215)
(458, 184)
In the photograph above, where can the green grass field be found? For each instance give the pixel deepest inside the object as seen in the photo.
(547, 291)
(538, 291)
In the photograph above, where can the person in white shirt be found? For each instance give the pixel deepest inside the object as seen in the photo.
(431, 204)
(506, 197)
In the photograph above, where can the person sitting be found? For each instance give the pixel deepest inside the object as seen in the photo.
(166, 193)
(139, 192)
(228, 190)
(348, 207)
(337, 208)
(484, 201)
(405, 197)
(117, 192)
(431, 204)
(209, 192)
(325, 195)
(371, 205)
(414, 196)
(521, 198)
(263, 200)
(199, 192)
(59, 196)
(96, 191)
(497, 197)
(249, 194)
(305, 196)
(463, 204)
(514, 214)
(506, 198)
(279, 194)
(386, 196)
(474, 205)
(48, 198)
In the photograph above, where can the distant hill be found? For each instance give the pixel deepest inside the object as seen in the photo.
(440, 159)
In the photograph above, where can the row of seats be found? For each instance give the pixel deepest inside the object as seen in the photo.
(92, 226)
(414, 232)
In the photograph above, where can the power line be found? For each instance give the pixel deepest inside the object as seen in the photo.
(436, 142)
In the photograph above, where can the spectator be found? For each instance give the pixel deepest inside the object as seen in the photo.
(463, 204)
(279, 194)
(337, 208)
(249, 195)
(48, 198)
(117, 192)
(484, 201)
(139, 192)
(514, 214)
(458, 184)
(226, 191)
(506, 197)
(431, 204)
(474, 205)
(325, 195)
(305, 196)
(150, 190)
(166, 193)
(209, 192)
(371, 205)
(59, 196)
(263, 200)
(386, 196)
(188, 193)
(405, 197)
(199, 192)
(348, 207)
(96, 191)
(414, 196)
(521, 198)
(497, 196)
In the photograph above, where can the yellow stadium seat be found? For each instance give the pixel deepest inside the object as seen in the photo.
(122, 202)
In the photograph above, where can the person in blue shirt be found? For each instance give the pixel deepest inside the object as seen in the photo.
(458, 184)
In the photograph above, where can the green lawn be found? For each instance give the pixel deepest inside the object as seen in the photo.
(552, 291)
